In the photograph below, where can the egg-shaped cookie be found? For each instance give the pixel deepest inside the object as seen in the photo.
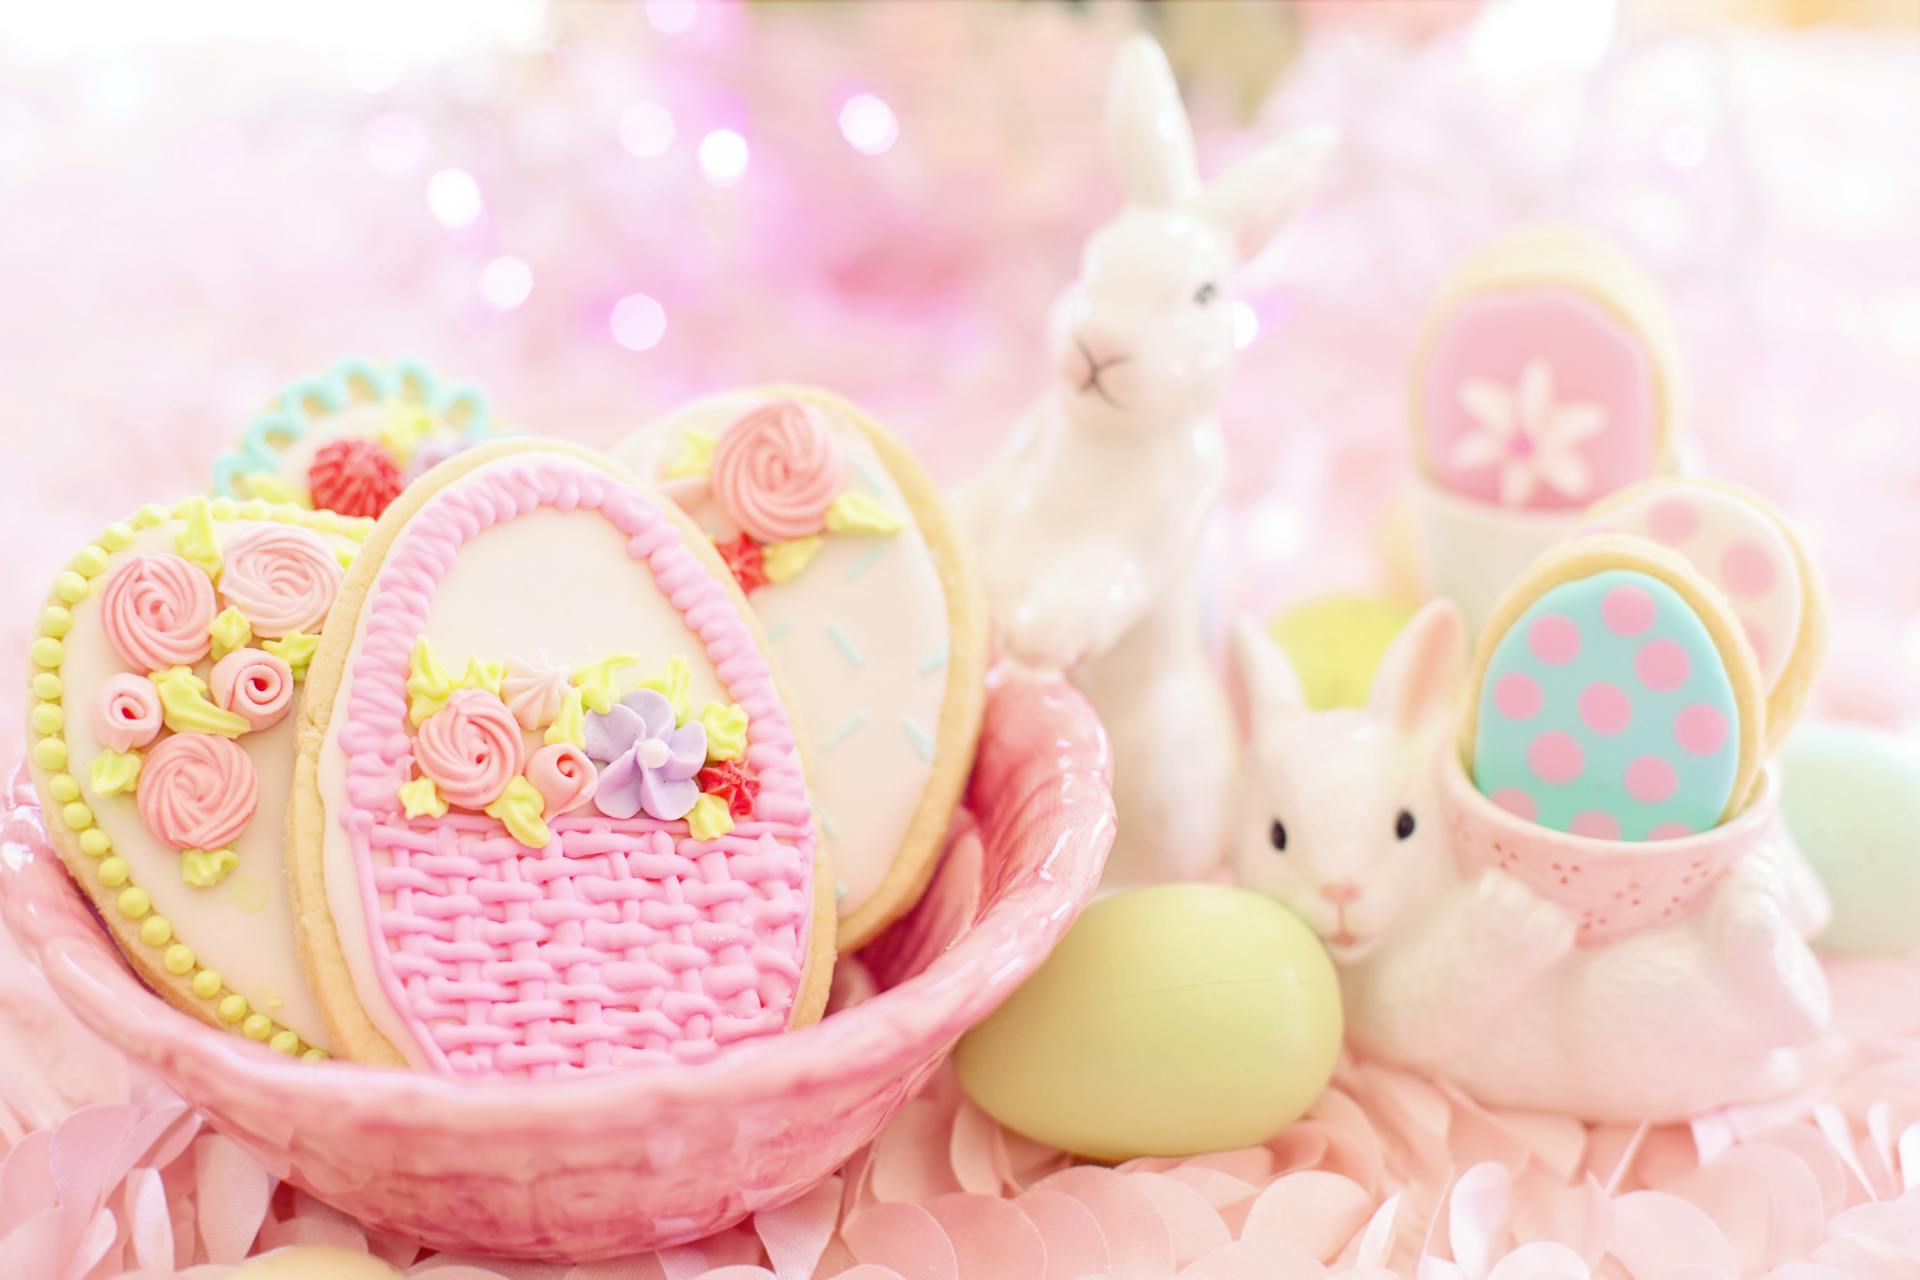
(1615, 696)
(349, 439)
(164, 681)
(550, 811)
(847, 555)
(1746, 549)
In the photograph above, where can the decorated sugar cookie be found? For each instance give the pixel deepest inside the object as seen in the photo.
(1546, 379)
(165, 677)
(1616, 697)
(350, 439)
(550, 811)
(1746, 549)
(845, 553)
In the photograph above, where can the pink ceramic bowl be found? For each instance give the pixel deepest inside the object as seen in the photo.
(595, 1168)
(1615, 887)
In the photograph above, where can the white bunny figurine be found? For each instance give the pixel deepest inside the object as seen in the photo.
(1087, 528)
(1479, 980)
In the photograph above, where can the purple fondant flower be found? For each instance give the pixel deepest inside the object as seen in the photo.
(646, 764)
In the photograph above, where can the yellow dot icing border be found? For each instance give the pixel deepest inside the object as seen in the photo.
(46, 720)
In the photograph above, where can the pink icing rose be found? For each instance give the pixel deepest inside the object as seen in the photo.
(197, 791)
(253, 684)
(471, 748)
(776, 471)
(281, 577)
(156, 611)
(126, 712)
(563, 776)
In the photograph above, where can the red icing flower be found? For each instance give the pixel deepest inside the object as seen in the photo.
(354, 477)
(732, 782)
(746, 561)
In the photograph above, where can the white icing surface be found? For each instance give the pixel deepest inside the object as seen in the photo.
(556, 582)
(885, 600)
(254, 951)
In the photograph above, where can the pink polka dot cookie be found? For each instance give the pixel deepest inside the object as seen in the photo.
(1615, 697)
(1545, 380)
(1747, 550)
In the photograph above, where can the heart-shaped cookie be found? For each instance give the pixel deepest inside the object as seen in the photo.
(550, 811)
(162, 739)
(847, 556)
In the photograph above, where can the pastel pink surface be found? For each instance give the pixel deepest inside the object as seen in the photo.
(675, 946)
(1595, 359)
(1614, 887)
(531, 1168)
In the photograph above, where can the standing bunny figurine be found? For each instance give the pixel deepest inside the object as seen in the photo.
(1089, 525)
(1477, 979)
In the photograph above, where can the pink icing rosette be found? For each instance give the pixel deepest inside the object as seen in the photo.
(253, 684)
(156, 611)
(197, 791)
(471, 748)
(563, 776)
(281, 577)
(126, 712)
(776, 471)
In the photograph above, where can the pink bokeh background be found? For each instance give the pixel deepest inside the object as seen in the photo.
(195, 210)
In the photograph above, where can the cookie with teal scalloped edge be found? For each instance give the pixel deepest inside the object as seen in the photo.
(348, 440)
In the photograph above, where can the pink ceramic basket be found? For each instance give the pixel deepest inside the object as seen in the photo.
(613, 1164)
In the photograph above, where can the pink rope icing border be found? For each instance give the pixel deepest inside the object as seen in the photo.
(378, 750)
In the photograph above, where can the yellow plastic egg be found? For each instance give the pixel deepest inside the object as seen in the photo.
(315, 1262)
(1335, 645)
(1170, 1021)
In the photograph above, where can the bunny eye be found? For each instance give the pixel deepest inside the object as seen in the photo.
(1205, 293)
(1277, 835)
(1403, 825)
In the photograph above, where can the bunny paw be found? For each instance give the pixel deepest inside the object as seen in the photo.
(1517, 928)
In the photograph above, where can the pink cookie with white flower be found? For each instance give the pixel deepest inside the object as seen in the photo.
(165, 676)
(551, 815)
(1748, 550)
(1546, 379)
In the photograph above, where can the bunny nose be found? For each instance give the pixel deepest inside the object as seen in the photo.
(1340, 892)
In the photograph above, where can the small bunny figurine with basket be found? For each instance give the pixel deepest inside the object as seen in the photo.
(1474, 976)
(1088, 525)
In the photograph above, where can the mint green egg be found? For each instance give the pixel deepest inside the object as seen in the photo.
(1851, 798)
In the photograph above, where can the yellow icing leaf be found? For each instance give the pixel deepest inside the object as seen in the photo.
(406, 426)
(672, 683)
(230, 631)
(271, 488)
(855, 512)
(114, 772)
(709, 819)
(695, 456)
(726, 730)
(296, 649)
(596, 681)
(571, 724)
(195, 542)
(204, 868)
(520, 807)
(485, 674)
(344, 555)
(185, 707)
(422, 799)
(783, 561)
(428, 684)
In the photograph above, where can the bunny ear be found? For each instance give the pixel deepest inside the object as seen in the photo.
(1273, 690)
(1261, 194)
(1152, 142)
(1418, 684)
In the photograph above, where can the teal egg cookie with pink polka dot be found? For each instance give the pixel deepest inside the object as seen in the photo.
(1614, 702)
